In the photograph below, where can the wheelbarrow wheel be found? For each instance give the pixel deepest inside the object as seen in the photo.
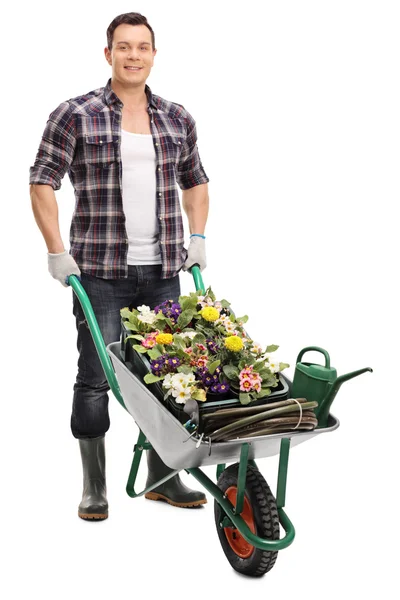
(261, 516)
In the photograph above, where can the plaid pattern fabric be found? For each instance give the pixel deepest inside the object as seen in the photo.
(83, 137)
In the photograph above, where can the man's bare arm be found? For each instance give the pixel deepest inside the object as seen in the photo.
(45, 210)
(195, 203)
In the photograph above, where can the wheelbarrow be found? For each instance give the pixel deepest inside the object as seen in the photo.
(247, 515)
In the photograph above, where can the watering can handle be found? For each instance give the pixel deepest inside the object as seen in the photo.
(317, 349)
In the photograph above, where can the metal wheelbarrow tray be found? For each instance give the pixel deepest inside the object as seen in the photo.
(173, 442)
(247, 515)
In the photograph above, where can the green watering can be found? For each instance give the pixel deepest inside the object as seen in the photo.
(319, 383)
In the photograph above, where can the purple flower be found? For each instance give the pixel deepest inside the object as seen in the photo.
(157, 366)
(173, 362)
(212, 346)
(169, 309)
(220, 388)
(208, 380)
(164, 364)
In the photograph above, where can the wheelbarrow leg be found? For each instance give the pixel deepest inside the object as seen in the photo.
(282, 473)
(140, 445)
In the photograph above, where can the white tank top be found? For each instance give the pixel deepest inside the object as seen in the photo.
(139, 197)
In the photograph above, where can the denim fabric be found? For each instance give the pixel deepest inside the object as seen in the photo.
(142, 286)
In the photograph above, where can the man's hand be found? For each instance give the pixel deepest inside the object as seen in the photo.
(196, 254)
(61, 266)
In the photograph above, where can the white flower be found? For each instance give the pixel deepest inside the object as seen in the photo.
(179, 381)
(205, 301)
(167, 381)
(188, 334)
(147, 317)
(273, 364)
(256, 348)
(181, 394)
(143, 308)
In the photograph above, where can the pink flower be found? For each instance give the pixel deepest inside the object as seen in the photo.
(245, 385)
(202, 361)
(201, 347)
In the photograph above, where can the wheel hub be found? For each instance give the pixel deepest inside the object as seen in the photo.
(236, 541)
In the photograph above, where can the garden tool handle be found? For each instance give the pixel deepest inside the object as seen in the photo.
(316, 349)
(198, 280)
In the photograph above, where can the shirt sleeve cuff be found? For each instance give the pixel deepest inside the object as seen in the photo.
(45, 176)
(192, 178)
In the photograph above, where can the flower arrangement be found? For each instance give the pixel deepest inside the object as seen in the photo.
(197, 347)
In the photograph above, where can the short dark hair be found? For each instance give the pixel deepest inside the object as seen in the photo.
(131, 18)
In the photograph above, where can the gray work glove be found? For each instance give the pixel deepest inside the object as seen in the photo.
(61, 266)
(196, 254)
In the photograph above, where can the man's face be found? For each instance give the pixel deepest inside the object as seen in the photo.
(131, 56)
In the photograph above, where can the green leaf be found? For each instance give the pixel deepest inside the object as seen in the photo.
(154, 353)
(244, 398)
(272, 348)
(140, 349)
(258, 366)
(283, 366)
(231, 371)
(130, 326)
(150, 378)
(225, 304)
(184, 369)
(211, 294)
(188, 303)
(198, 394)
(137, 337)
(199, 338)
(125, 312)
(264, 392)
(179, 342)
(213, 366)
(265, 371)
(184, 318)
(242, 319)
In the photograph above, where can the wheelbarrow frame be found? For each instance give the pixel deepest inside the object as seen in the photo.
(232, 513)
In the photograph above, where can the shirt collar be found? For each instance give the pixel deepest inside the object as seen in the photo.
(111, 97)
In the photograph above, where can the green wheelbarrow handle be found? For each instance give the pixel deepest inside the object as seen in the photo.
(94, 328)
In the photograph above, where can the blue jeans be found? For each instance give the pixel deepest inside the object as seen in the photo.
(142, 286)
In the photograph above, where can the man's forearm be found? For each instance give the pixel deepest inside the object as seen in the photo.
(45, 210)
(195, 204)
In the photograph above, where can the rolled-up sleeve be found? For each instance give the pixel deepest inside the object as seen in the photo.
(190, 171)
(57, 148)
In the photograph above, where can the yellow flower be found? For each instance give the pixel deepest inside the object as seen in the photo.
(209, 313)
(234, 343)
(164, 338)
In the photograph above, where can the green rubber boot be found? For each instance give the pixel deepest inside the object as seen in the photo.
(94, 504)
(172, 491)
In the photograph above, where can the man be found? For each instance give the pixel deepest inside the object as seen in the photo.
(124, 149)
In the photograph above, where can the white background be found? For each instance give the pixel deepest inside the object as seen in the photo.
(297, 110)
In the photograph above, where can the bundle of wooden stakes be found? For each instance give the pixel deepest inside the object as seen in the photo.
(250, 421)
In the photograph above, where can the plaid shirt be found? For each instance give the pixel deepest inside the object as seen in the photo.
(83, 137)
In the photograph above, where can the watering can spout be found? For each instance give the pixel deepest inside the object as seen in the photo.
(322, 412)
(348, 376)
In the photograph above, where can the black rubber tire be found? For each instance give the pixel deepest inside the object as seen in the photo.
(265, 514)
